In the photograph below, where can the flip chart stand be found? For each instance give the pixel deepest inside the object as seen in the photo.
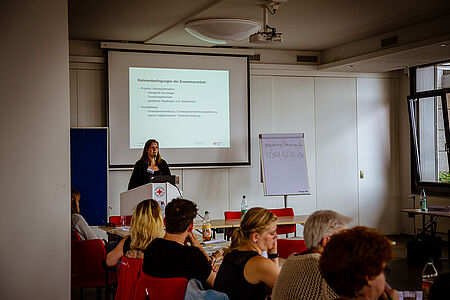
(283, 164)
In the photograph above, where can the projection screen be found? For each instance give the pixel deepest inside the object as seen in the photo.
(196, 106)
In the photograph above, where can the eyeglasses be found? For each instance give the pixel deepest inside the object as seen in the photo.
(387, 271)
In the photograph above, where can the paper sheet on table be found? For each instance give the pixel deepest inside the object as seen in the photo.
(212, 242)
(124, 228)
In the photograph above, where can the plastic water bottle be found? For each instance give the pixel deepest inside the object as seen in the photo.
(244, 206)
(429, 274)
(206, 227)
(423, 201)
(163, 208)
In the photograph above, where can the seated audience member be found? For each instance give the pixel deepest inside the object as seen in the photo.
(170, 257)
(300, 277)
(244, 273)
(353, 264)
(440, 288)
(79, 224)
(146, 225)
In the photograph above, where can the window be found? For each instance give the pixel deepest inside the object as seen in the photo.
(429, 105)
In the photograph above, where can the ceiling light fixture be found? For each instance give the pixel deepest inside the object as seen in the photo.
(222, 31)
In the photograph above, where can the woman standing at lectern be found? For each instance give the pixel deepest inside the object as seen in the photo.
(149, 164)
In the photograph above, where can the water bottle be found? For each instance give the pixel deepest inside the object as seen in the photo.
(429, 274)
(244, 206)
(206, 227)
(423, 201)
(163, 208)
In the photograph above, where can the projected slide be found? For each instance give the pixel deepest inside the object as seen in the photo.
(180, 108)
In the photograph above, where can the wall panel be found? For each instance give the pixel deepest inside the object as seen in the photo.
(336, 145)
(91, 98)
(246, 180)
(293, 110)
(377, 194)
(209, 189)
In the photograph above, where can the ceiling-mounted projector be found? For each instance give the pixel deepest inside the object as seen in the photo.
(266, 37)
(269, 34)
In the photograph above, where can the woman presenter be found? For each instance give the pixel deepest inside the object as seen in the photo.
(149, 164)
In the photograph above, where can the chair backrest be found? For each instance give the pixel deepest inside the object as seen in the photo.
(87, 257)
(288, 246)
(160, 288)
(280, 212)
(232, 214)
(115, 220)
(129, 272)
(75, 236)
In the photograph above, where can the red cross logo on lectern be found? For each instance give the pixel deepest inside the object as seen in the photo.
(159, 191)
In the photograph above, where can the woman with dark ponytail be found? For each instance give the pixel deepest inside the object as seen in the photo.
(244, 273)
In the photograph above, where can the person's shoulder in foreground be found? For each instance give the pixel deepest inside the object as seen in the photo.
(300, 277)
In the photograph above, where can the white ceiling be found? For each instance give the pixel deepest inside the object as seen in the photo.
(344, 32)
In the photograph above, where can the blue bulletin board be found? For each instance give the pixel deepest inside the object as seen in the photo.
(89, 169)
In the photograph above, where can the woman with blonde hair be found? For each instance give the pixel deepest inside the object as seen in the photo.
(146, 225)
(244, 273)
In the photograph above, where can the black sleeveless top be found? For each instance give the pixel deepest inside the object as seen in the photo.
(231, 280)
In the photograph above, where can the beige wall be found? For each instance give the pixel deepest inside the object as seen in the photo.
(34, 126)
(349, 125)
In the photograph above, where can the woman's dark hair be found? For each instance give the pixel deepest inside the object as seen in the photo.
(352, 256)
(147, 145)
(75, 197)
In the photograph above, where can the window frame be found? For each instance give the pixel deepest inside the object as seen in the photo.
(431, 188)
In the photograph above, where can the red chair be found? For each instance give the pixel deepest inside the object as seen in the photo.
(231, 215)
(288, 246)
(129, 272)
(88, 267)
(284, 229)
(115, 220)
(160, 288)
(75, 236)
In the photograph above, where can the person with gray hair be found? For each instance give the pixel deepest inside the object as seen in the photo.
(300, 277)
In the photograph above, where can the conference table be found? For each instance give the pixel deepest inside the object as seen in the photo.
(216, 224)
(433, 215)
